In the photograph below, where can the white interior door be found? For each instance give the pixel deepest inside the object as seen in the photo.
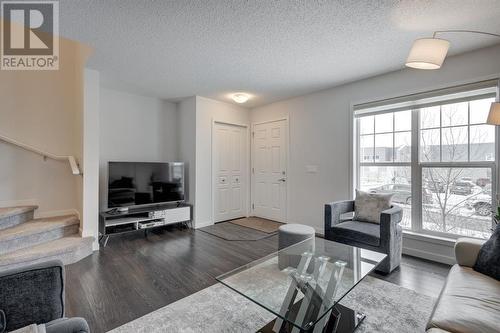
(269, 170)
(230, 165)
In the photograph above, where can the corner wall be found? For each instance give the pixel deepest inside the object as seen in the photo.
(208, 111)
(134, 128)
(89, 225)
(186, 136)
(43, 109)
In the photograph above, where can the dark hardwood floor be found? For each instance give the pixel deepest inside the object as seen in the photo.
(135, 275)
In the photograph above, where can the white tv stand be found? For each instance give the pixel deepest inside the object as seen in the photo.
(143, 218)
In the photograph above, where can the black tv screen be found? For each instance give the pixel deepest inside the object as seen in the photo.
(144, 183)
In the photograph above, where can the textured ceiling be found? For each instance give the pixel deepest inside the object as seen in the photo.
(270, 49)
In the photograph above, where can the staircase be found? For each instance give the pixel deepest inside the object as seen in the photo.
(25, 240)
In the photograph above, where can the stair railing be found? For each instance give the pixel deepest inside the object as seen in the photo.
(73, 163)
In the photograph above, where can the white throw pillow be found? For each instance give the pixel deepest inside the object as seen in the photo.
(368, 206)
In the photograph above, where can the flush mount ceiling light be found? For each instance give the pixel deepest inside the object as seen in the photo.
(429, 53)
(240, 98)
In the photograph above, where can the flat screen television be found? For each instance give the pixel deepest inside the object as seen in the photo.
(132, 184)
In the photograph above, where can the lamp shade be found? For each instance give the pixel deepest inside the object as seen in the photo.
(494, 115)
(428, 53)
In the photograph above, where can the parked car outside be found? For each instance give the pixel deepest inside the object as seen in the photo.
(402, 193)
(462, 188)
(481, 202)
(483, 182)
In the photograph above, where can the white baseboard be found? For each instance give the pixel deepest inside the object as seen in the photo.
(14, 203)
(429, 256)
(198, 225)
(39, 214)
(95, 244)
(62, 212)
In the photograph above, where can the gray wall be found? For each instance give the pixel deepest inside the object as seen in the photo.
(134, 128)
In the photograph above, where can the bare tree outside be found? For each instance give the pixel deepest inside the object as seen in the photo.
(453, 187)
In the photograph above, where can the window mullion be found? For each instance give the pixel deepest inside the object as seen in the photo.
(468, 131)
(374, 139)
(440, 133)
(358, 155)
(393, 137)
(416, 173)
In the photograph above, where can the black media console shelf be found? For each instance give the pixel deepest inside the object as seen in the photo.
(143, 218)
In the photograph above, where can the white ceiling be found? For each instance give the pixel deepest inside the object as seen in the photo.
(270, 49)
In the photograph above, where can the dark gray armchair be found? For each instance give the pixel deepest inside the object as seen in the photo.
(386, 237)
(34, 294)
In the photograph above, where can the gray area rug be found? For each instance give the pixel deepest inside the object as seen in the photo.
(388, 308)
(232, 232)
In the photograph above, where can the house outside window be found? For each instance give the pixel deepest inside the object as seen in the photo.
(436, 155)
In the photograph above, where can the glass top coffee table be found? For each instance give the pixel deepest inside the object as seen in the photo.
(303, 284)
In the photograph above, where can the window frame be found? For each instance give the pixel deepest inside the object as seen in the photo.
(417, 166)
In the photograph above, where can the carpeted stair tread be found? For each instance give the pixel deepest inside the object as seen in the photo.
(68, 249)
(11, 211)
(38, 226)
(12, 216)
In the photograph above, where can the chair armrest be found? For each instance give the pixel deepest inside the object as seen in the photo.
(333, 210)
(32, 294)
(393, 214)
(67, 325)
(389, 218)
(3, 324)
(466, 251)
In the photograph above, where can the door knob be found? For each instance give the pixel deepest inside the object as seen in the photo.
(282, 180)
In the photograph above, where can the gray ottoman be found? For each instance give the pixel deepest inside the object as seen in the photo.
(290, 234)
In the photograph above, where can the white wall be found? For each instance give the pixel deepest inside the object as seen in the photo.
(186, 136)
(320, 128)
(90, 219)
(134, 128)
(207, 111)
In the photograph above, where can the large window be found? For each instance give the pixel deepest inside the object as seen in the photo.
(385, 157)
(437, 157)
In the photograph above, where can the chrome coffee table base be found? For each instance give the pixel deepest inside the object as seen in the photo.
(342, 320)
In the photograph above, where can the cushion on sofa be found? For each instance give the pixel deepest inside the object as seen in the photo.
(488, 259)
(469, 302)
(364, 232)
